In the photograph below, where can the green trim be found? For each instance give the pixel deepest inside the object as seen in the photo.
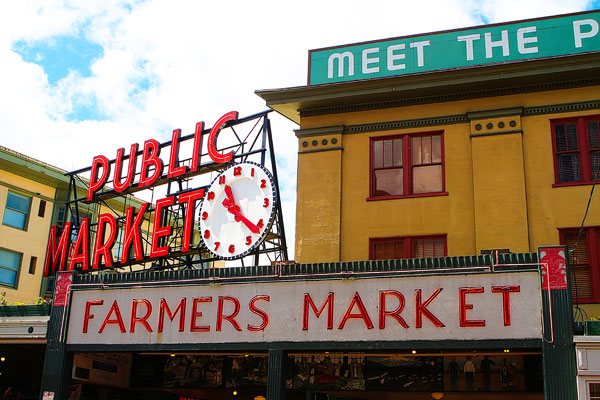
(320, 150)
(495, 133)
(317, 271)
(25, 310)
(408, 123)
(498, 113)
(26, 192)
(374, 346)
(320, 131)
(465, 118)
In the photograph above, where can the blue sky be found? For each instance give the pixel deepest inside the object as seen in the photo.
(81, 77)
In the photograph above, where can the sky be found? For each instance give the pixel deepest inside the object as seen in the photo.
(84, 78)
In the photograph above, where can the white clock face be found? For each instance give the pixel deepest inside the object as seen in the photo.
(237, 210)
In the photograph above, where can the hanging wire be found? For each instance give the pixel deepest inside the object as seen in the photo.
(579, 312)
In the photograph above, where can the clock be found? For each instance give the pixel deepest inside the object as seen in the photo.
(237, 211)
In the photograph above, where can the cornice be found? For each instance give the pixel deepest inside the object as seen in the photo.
(504, 91)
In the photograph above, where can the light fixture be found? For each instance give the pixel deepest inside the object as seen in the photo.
(172, 355)
(437, 395)
(235, 392)
(2, 359)
(506, 350)
(414, 352)
(246, 355)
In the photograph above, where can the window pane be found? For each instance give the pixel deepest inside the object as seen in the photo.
(426, 149)
(389, 182)
(18, 202)
(593, 135)
(378, 154)
(14, 219)
(594, 391)
(398, 152)
(427, 179)
(389, 250)
(10, 260)
(568, 168)
(436, 149)
(8, 277)
(566, 137)
(429, 248)
(416, 150)
(595, 163)
(578, 259)
(388, 151)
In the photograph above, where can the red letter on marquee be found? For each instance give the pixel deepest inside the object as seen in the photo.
(179, 309)
(160, 231)
(260, 313)
(175, 170)
(464, 307)
(505, 290)
(150, 157)
(230, 317)
(189, 198)
(197, 146)
(394, 314)
(422, 309)
(119, 187)
(196, 314)
(104, 249)
(119, 320)
(87, 316)
(132, 233)
(96, 183)
(134, 317)
(308, 301)
(356, 300)
(212, 138)
(80, 251)
(57, 254)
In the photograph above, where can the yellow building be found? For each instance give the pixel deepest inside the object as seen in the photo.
(453, 161)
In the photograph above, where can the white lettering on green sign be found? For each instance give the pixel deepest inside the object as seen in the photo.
(512, 42)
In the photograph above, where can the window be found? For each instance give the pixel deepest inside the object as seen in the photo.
(10, 263)
(584, 261)
(32, 265)
(594, 391)
(576, 145)
(16, 211)
(407, 247)
(42, 209)
(407, 165)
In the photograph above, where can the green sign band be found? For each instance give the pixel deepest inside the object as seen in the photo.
(491, 44)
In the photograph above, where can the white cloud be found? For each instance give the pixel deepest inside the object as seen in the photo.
(199, 60)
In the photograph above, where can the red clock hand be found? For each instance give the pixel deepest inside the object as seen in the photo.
(239, 217)
(229, 194)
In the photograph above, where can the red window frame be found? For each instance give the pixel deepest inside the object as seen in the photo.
(584, 263)
(407, 243)
(407, 165)
(583, 150)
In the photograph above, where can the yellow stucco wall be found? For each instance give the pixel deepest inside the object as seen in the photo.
(31, 242)
(498, 182)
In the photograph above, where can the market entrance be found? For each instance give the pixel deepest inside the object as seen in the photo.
(314, 376)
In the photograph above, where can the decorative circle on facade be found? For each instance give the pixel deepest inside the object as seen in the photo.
(324, 142)
(513, 123)
(333, 141)
(501, 124)
(478, 127)
(305, 144)
(315, 143)
(489, 125)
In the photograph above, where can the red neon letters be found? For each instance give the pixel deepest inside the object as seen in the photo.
(151, 168)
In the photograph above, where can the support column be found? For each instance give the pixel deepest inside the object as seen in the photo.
(58, 363)
(276, 375)
(558, 350)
